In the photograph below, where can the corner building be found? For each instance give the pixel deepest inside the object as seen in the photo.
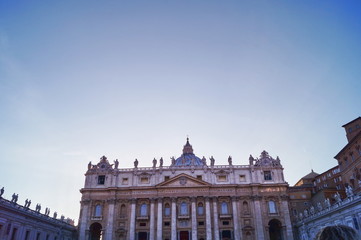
(188, 200)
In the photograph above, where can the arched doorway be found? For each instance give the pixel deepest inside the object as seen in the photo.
(275, 230)
(95, 231)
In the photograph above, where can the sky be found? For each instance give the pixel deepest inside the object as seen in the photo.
(133, 79)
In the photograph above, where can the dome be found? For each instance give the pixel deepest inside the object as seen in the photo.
(188, 158)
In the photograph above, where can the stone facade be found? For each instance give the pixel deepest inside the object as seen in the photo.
(336, 193)
(345, 212)
(19, 222)
(189, 199)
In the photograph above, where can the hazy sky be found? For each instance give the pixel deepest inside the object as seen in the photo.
(131, 79)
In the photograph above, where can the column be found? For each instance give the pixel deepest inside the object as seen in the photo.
(215, 218)
(258, 216)
(284, 207)
(83, 218)
(132, 220)
(151, 223)
(110, 218)
(160, 219)
(208, 220)
(194, 219)
(235, 218)
(174, 220)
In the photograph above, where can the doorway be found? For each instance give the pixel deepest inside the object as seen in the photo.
(226, 235)
(275, 230)
(95, 231)
(183, 235)
(142, 235)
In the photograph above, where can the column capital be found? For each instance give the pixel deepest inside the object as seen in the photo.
(284, 197)
(133, 200)
(159, 199)
(85, 201)
(111, 201)
(193, 199)
(207, 198)
(152, 200)
(174, 199)
(235, 198)
(256, 197)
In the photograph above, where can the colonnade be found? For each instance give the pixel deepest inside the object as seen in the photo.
(214, 218)
(157, 233)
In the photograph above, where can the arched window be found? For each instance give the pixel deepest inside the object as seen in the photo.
(200, 209)
(166, 210)
(272, 207)
(184, 208)
(122, 210)
(224, 208)
(143, 209)
(245, 207)
(98, 210)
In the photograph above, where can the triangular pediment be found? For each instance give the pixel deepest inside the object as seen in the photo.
(183, 180)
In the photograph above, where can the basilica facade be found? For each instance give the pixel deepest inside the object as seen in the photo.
(188, 199)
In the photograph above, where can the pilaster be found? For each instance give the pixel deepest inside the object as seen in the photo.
(160, 219)
(215, 218)
(151, 224)
(132, 220)
(174, 220)
(235, 218)
(208, 220)
(194, 219)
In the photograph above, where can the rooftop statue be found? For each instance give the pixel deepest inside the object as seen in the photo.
(212, 161)
(337, 196)
(116, 164)
(230, 161)
(266, 160)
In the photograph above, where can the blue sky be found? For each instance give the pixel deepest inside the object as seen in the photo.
(131, 79)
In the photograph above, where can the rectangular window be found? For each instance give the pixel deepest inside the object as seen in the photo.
(242, 178)
(125, 181)
(225, 223)
(142, 224)
(166, 178)
(199, 177)
(101, 179)
(222, 178)
(167, 224)
(200, 223)
(272, 207)
(267, 175)
(144, 180)
(13, 236)
(27, 234)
